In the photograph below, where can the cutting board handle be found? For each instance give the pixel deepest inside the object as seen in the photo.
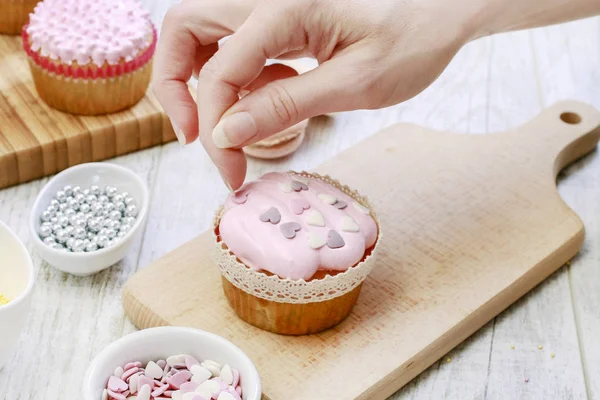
(561, 133)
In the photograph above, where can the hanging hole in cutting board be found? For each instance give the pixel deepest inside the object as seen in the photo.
(570, 118)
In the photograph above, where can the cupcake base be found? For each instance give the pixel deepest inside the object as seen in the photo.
(91, 96)
(15, 14)
(288, 318)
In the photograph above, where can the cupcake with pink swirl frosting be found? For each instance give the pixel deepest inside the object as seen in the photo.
(293, 250)
(90, 57)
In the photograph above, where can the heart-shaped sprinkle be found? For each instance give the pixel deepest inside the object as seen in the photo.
(133, 383)
(340, 205)
(316, 241)
(272, 215)
(299, 186)
(327, 198)
(179, 378)
(361, 208)
(349, 225)
(299, 205)
(225, 396)
(144, 393)
(335, 240)
(117, 385)
(286, 187)
(226, 375)
(213, 387)
(240, 197)
(153, 371)
(144, 380)
(190, 362)
(289, 229)
(315, 219)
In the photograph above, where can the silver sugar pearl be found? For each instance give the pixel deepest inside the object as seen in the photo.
(85, 208)
(131, 211)
(91, 199)
(56, 228)
(110, 191)
(120, 234)
(129, 200)
(106, 222)
(111, 242)
(115, 215)
(80, 198)
(95, 190)
(69, 212)
(128, 221)
(63, 221)
(94, 224)
(114, 224)
(61, 196)
(79, 233)
(68, 189)
(62, 236)
(96, 208)
(124, 194)
(120, 206)
(102, 232)
(110, 233)
(125, 228)
(46, 216)
(45, 230)
(117, 198)
(101, 240)
(49, 241)
(78, 246)
(89, 216)
(63, 207)
(54, 204)
(80, 223)
(70, 242)
(86, 192)
(108, 207)
(57, 246)
(72, 203)
(54, 220)
(86, 242)
(90, 235)
(103, 199)
(70, 229)
(91, 247)
(76, 189)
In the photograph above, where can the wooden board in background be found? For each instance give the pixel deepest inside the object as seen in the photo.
(471, 223)
(36, 140)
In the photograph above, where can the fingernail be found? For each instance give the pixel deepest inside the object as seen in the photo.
(227, 184)
(234, 130)
(178, 133)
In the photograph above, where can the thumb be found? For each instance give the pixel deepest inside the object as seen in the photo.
(285, 102)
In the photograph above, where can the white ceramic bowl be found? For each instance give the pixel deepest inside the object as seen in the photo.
(86, 175)
(16, 283)
(160, 343)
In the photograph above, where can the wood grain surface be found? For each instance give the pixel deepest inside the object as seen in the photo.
(37, 140)
(493, 84)
(469, 223)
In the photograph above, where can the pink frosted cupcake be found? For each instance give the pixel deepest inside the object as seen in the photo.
(294, 250)
(88, 56)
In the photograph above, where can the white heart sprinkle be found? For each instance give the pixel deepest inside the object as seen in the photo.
(226, 374)
(214, 369)
(316, 241)
(327, 198)
(361, 208)
(118, 372)
(213, 387)
(133, 383)
(286, 187)
(225, 396)
(153, 371)
(200, 374)
(176, 360)
(204, 391)
(177, 395)
(188, 396)
(144, 393)
(348, 225)
(315, 218)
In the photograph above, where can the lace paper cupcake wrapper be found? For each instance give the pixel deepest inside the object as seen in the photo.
(274, 288)
(89, 72)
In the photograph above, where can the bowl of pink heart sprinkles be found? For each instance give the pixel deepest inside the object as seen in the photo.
(172, 363)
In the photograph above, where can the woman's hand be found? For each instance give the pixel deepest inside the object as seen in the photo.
(371, 54)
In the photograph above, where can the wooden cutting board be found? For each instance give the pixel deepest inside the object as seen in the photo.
(36, 140)
(471, 223)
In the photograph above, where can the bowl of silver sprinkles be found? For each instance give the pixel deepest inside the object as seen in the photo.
(87, 216)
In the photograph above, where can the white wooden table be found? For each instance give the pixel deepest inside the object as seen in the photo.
(493, 84)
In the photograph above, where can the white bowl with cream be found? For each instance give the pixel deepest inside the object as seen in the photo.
(16, 284)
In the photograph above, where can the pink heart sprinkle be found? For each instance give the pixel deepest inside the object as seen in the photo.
(188, 387)
(235, 393)
(117, 385)
(238, 389)
(137, 364)
(116, 396)
(161, 363)
(144, 380)
(220, 382)
(179, 378)
(299, 205)
(128, 366)
(160, 390)
(199, 397)
(236, 377)
(190, 362)
(129, 372)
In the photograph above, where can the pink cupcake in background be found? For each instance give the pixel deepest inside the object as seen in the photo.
(90, 57)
